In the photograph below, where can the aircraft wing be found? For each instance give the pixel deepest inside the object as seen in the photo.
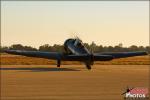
(123, 54)
(104, 56)
(85, 57)
(47, 55)
(56, 55)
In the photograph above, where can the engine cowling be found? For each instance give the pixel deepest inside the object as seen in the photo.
(67, 43)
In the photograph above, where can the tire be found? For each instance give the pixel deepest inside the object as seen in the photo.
(58, 63)
(88, 67)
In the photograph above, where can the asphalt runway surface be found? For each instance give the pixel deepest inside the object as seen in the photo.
(70, 82)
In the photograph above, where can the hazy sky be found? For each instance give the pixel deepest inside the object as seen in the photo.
(35, 23)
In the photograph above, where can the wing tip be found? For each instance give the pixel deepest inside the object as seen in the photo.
(144, 52)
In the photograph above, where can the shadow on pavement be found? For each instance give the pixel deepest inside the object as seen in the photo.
(40, 69)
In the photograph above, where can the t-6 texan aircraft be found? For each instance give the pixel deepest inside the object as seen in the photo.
(76, 51)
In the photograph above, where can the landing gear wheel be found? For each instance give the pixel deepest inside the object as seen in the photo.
(88, 67)
(58, 63)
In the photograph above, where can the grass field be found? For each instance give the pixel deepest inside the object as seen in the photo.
(8, 59)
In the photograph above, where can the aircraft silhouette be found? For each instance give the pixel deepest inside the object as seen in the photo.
(76, 51)
(127, 90)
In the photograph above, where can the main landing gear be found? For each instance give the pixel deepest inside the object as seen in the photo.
(58, 63)
(88, 67)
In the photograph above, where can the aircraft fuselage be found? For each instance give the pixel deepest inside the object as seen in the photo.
(76, 47)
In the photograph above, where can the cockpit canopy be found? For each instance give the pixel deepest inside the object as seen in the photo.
(78, 43)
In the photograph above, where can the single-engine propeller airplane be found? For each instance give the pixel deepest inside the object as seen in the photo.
(76, 51)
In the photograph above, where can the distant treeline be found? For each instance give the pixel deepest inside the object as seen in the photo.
(92, 46)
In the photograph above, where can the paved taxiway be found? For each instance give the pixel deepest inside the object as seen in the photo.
(70, 82)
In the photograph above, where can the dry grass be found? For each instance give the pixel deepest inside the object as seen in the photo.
(7, 59)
